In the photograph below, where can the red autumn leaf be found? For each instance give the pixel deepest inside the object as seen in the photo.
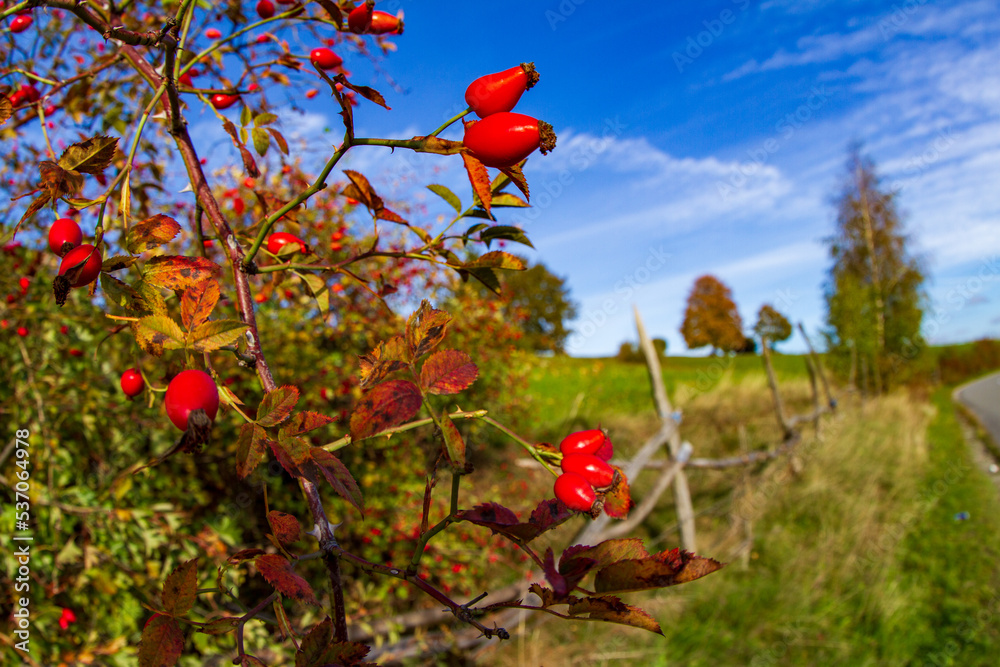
(425, 329)
(292, 453)
(479, 178)
(244, 554)
(162, 642)
(362, 190)
(339, 477)
(448, 372)
(277, 405)
(179, 273)
(660, 571)
(285, 526)
(618, 500)
(516, 176)
(549, 514)
(388, 404)
(179, 589)
(250, 448)
(279, 573)
(303, 422)
(387, 357)
(612, 610)
(150, 233)
(198, 302)
(386, 214)
(605, 553)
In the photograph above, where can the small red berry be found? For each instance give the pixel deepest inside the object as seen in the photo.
(505, 138)
(575, 492)
(596, 471)
(324, 58)
(25, 283)
(213, 33)
(30, 92)
(311, 93)
(86, 255)
(21, 23)
(249, 183)
(265, 9)
(260, 297)
(64, 329)
(191, 390)
(75, 352)
(132, 383)
(383, 23)
(64, 231)
(223, 101)
(22, 332)
(278, 240)
(583, 442)
(360, 18)
(497, 92)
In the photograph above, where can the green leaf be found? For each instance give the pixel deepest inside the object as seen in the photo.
(453, 443)
(261, 140)
(487, 277)
(277, 405)
(262, 119)
(447, 195)
(210, 336)
(509, 200)
(159, 332)
(507, 233)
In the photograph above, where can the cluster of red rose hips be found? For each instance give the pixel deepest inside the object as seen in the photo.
(363, 19)
(502, 138)
(585, 469)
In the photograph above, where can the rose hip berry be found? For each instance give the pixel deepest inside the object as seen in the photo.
(191, 390)
(384, 23)
(360, 18)
(86, 255)
(597, 473)
(132, 383)
(64, 231)
(505, 138)
(279, 240)
(324, 58)
(223, 101)
(583, 442)
(21, 23)
(265, 9)
(575, 492)
(498, 92)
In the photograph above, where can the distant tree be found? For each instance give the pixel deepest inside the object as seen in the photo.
(711, 317)
(874, 292)
(772, 326)
(660, 345)
(540, 300)
(631, 353)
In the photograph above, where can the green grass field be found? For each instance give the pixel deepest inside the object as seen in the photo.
(853, 557)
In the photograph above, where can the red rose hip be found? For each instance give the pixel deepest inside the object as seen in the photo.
(278, 240)
(575, 492)
(324, 58)
(265, 9)
(597, 472)
(64, 231)
(498, 92)
(191, 390)
(383, 23)
(583, 442)
(223, 101)
(132, 383)
(505, 138)
(86, 255)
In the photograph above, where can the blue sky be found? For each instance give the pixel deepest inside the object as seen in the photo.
(710, 138)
